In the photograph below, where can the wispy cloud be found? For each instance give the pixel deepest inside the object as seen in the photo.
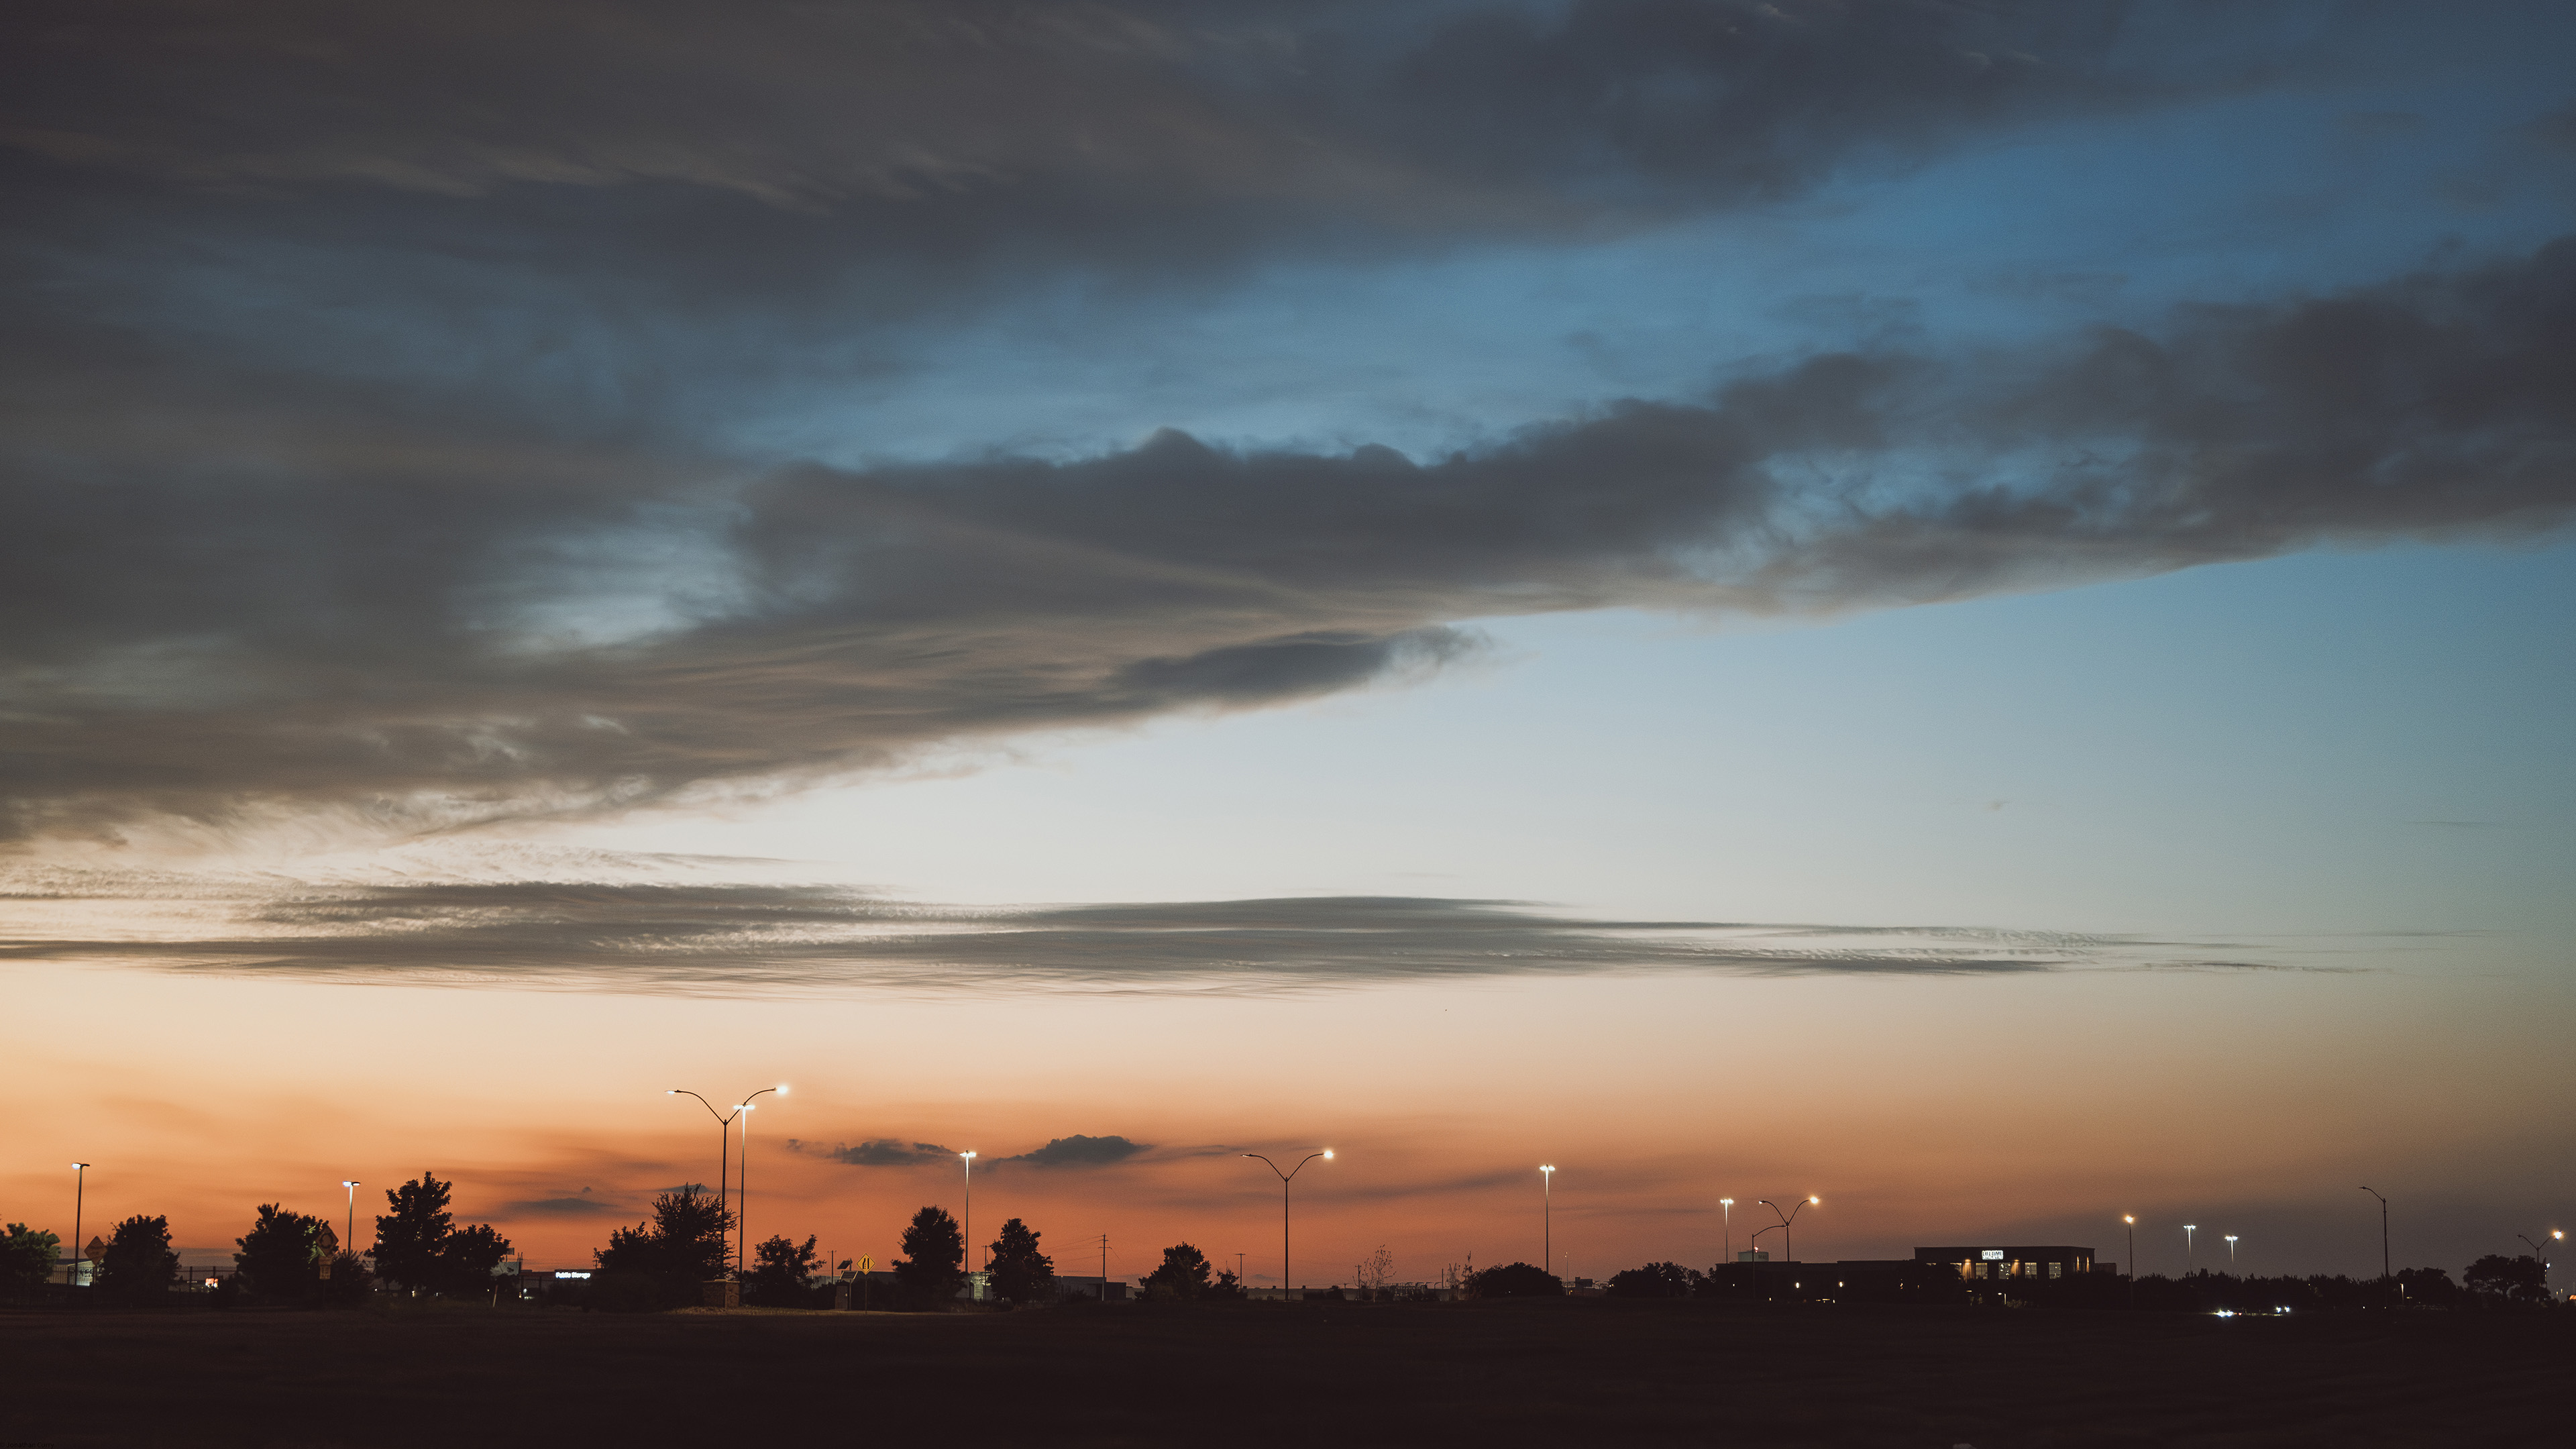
(681, 935)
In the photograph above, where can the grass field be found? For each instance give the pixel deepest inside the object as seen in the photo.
(1557, 1372)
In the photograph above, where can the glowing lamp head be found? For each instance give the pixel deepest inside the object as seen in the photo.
(1546, 1167)
(1328, 1154)
(781, 1089)
(2129, 1218)
(969, 1156)
(1814, 1201)
(1726, 1202)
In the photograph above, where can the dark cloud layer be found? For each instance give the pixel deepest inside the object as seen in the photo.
(1079, 1151)
(754, 939)
(356, 380)
(265, 619)
(879, 1152)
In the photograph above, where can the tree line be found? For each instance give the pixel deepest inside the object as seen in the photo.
(286, 1258)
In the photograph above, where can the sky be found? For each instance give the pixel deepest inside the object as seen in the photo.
(1961, 608)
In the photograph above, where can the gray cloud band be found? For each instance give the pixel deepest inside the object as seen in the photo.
(761, 939)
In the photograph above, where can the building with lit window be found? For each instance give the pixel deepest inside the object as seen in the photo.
(2012, 1266)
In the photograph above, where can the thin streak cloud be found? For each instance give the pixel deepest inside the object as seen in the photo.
(761, 939)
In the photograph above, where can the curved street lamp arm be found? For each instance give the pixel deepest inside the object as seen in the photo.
(703, 1102)
(1301, 1165)
(1266, 1162)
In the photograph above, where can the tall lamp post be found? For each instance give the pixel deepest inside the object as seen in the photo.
(742, 1215)
(2231, 1252)
(969, 1159)
(1726, 1225)
(2187, 1230)
(724, 1144)
(2541, 1251)
(1787, 1252)
(80, 1189)
(1285, 1178)
(2384, 1274)
(2132, 1220)
(352, 1184)
(1547, 1216)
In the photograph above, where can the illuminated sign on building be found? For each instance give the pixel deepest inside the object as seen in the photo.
(1992, 1255)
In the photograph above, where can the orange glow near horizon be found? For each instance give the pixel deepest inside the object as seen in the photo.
(1943, 1111)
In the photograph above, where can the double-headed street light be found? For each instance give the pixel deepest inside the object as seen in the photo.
(1726, 1226)
(351, 1241)
(969, 1158)
(724, 1149)
(1787, 1252)
(1285, 1178)
(2187, 1230)
(2231, 1252)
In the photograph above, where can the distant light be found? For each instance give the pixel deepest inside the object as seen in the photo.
(1726, 1202)
(1328, 1154)
(2128, 1217)
(1814, 1201)
(2191, 1227)
(782, 1089)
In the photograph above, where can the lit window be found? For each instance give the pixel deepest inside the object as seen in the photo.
(2057, 1270)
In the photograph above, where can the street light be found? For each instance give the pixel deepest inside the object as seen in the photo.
(724, 1144)
(2187, 1230)
(1547, 1217)
(2384, 1274)
(1788, 1253)
(2541, 1252)
(80, 1187)
(970, 1208)
(2231, 1252)
(2132, 1220)
(1726, 1225)
(1285, 1178)
(742, 1215)
(352, 1184)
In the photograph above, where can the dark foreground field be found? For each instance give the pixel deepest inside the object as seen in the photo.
(1562, 1372)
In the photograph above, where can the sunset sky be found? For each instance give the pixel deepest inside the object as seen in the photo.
(1964, 608)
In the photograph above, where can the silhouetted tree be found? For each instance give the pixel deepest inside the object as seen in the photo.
(1375, 1271)
(1184, 1274)
(26, 1260)
(1655, 1280)
(1021, 1274)
(139, 1265)
(419, 1246)
(2509, 1280)
(1515, 1280)
(933, 1265)
(2428, 1287)
(781, 1273)
(467, 1260)
(688, 1234)
(280, 1257)
(1227, 1285)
